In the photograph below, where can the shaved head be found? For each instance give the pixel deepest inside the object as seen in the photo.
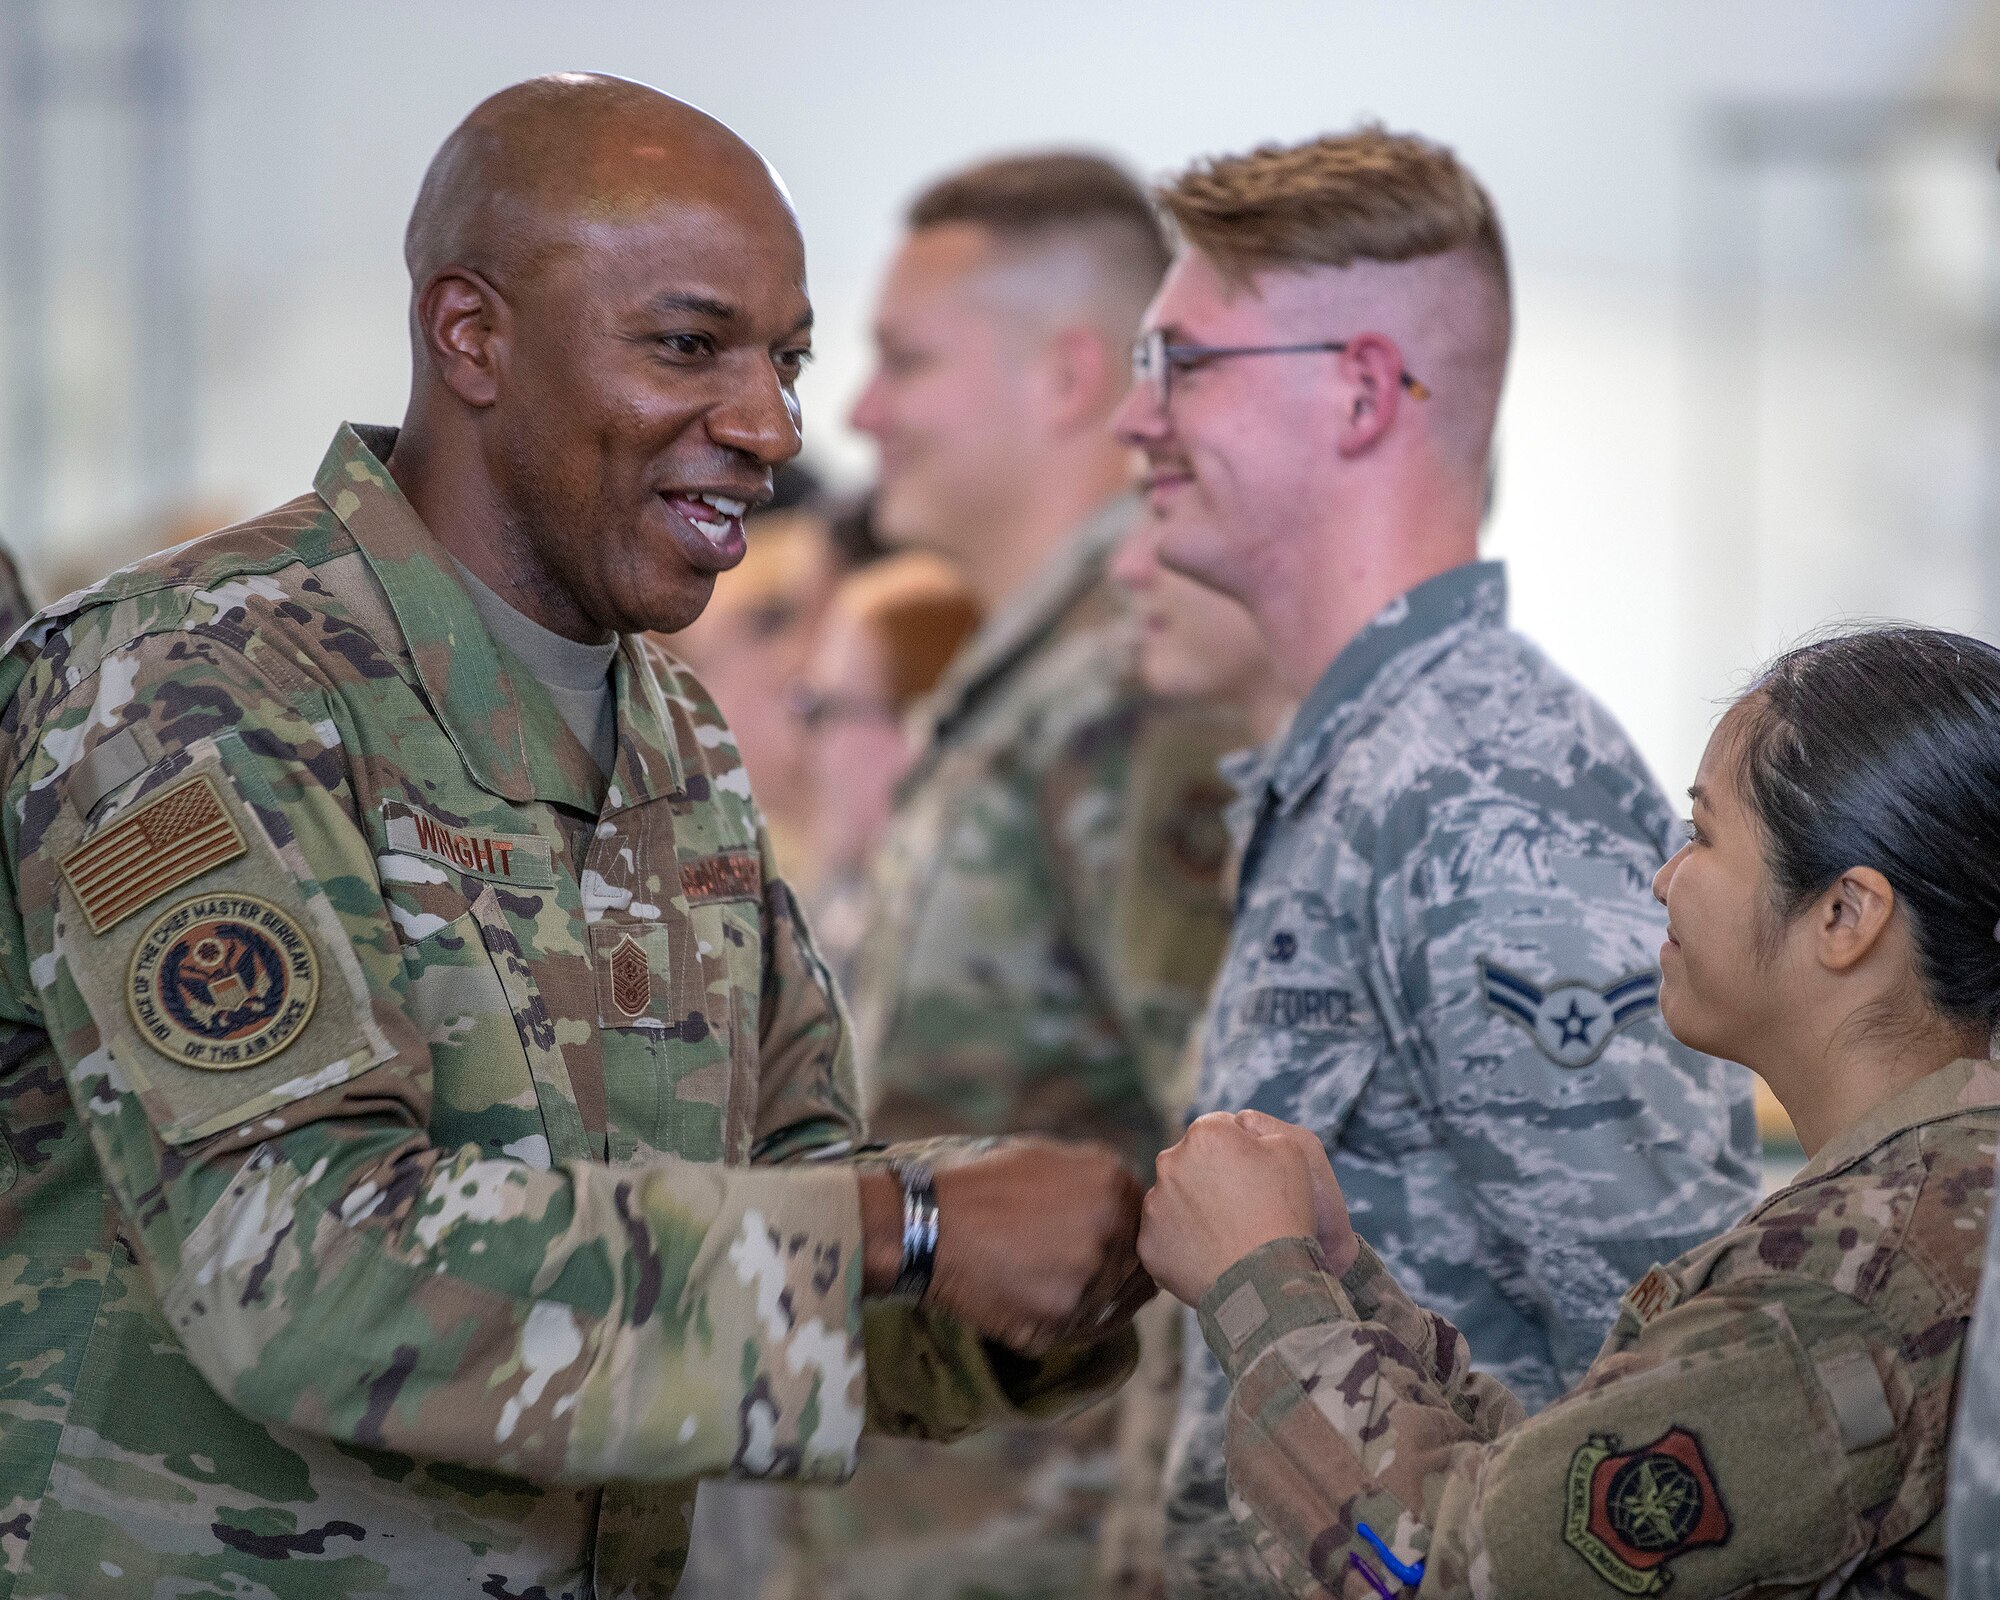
(608, 315)
(539, 162)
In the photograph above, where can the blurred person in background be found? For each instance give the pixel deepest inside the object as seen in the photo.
(15, 607)
(754, 640)
(1444, 960)
(991, 994)
(890, 632)
(1198, 646)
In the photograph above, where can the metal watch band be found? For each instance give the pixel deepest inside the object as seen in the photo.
(920, 1229)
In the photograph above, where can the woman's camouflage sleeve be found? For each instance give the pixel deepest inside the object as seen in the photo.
(1750, 1436)
(327, 1267)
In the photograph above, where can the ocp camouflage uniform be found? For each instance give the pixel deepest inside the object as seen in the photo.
(1444, 962)
(389, 1098)
(1771, 1413)
(15, 606)
(1974, 1517)
(1046, 918)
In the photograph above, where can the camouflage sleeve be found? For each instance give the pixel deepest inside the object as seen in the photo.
(807, 1099)
(1520, 943)
(1346, 1455)
(327, 1267)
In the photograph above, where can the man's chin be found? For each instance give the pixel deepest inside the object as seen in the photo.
(667, 609)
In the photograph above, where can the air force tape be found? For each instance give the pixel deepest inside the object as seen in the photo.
(1571, 1021)
(222, 981)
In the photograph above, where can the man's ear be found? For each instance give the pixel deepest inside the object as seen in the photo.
(1370, 370)
(1082, 378)
(464, 324)
(1851, 918)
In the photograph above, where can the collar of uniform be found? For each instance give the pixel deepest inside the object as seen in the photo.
(1396, 646)
(495, 726)
(1962, 1086)
(1015, 629)
(649, 760)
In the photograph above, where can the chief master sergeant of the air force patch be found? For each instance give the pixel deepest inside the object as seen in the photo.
(1571, 1021)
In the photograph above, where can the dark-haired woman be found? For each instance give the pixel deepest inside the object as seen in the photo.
(1771, 1413)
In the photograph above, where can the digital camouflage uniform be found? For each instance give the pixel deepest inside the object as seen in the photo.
(1046, 918)
(1445, 964)
(1771, 1413)
(388, 1100)
(15, 607)
(1974, 1516)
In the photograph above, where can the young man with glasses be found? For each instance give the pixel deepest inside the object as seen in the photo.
(1444, 952)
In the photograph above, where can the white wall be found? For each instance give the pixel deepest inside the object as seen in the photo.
(314, 123)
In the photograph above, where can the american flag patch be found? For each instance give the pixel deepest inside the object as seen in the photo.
(177, 835)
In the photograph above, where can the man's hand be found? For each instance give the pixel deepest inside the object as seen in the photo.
(1036, 1242)
(1223, 1191)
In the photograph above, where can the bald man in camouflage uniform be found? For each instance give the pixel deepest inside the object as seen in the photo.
(1444, 954)
(421, 1116)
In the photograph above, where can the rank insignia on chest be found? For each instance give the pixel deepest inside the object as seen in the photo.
(631, 978)
(222, 981)
(1629, 1512)
(1570, 1022)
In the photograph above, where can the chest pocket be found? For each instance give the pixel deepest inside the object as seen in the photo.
(677, 1004)
(498, 1075)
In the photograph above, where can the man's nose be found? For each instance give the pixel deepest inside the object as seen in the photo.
(866, 414)
(1139, 419)
(760, 418)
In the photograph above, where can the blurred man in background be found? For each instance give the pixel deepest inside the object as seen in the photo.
(1199, 647)
(753, 641)
(890, 632)
(15, 607)
(992, 992)
(1445, 953)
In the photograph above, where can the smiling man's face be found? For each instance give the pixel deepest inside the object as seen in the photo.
(647, 397)
(1229, 462)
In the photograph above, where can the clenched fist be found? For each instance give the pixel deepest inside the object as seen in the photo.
(1037, 1242)
(1235, 1183)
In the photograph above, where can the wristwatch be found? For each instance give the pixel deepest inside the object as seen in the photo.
(920, 1229)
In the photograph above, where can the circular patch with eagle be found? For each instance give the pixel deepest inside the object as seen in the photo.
(222, 981)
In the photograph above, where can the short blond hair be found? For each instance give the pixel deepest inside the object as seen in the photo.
(1364, 195)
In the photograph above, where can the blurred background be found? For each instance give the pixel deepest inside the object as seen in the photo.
(1757, 380)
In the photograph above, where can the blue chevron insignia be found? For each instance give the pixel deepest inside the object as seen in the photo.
(1571, 1022)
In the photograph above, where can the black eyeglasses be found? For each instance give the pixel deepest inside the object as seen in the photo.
(1155, 361)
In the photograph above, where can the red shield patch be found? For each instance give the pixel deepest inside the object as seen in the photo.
(1632, 1511)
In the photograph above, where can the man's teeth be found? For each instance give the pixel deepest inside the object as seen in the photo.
(728, 507)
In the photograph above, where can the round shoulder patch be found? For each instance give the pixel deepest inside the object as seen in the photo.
(222, 981)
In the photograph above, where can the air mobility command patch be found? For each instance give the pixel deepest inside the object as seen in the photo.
(1571, 1022)
(222, 981)
(1629, 1512)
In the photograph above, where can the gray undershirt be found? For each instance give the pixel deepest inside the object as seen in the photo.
(577, 676)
